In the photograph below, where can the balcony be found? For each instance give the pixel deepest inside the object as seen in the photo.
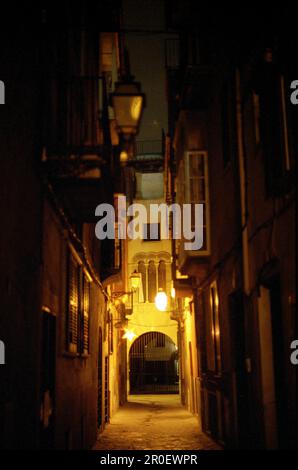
(78, 146)
(192, 263)
(149, 156)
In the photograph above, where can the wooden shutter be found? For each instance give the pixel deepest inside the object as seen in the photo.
(85, 316)
(73, 304)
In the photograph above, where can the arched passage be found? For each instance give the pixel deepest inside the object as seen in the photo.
(153, 364)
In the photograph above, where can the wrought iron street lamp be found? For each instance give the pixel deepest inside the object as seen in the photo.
(135, 280)
(128, 102)
(135, 283)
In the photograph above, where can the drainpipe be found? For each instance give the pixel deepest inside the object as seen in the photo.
(242, 177)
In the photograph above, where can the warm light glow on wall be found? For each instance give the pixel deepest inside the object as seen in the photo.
(173, 293)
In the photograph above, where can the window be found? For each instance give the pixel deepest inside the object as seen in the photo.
(152, 291)
(154, 277)
(78, 308)
(273, 128)
(151, 232)
(181, 199)
(197, 191)
(162, 281)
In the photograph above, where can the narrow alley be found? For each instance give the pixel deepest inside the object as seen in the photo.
(154, 422)
(147, 208)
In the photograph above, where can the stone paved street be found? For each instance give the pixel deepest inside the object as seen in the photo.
(154, 422)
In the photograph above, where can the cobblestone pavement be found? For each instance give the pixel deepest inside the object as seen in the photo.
(154, 422)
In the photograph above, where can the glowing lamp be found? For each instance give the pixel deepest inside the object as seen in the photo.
(128, 102)
(161, 301)
(135, 280)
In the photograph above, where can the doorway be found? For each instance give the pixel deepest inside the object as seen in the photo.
(278, 349)
(273, 363)
(153, 365)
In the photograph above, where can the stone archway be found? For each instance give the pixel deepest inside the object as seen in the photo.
(153, 364)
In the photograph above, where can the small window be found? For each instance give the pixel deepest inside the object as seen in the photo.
(162, 281)
(197, 191)
(273, 130)
(77, 308)
(151, 232)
